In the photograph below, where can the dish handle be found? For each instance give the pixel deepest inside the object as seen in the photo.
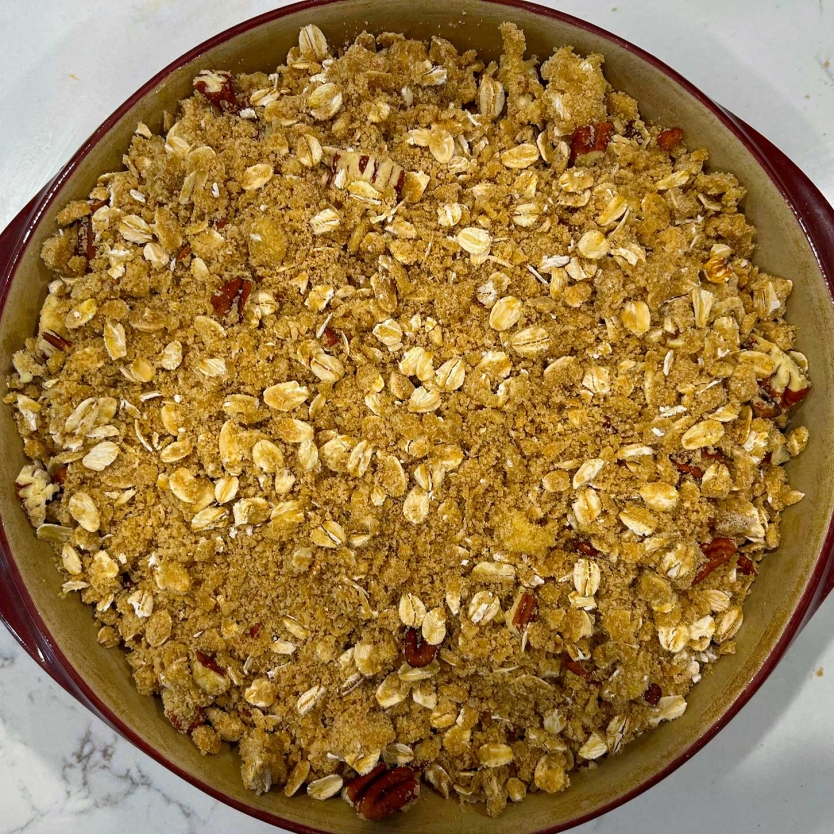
(816, 215)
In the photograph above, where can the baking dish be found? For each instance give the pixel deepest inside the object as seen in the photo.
(796, 235)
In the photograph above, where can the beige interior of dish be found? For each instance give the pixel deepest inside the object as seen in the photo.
(783, 250)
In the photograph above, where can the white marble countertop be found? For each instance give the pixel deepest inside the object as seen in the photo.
(66, 64)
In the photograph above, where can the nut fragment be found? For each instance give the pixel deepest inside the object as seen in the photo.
(419, 653)
(391, 791)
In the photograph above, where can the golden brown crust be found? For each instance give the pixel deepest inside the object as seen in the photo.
(359, 352)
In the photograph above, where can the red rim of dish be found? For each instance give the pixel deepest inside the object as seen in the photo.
(36, 210)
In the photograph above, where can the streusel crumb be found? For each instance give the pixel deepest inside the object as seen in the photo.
(411, 417)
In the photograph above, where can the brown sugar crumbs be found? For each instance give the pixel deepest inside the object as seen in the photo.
(409, 418)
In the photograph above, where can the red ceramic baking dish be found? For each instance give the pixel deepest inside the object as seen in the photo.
(796, 240)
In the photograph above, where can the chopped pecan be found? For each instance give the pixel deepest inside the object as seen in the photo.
(59, 475)
(525, 610)
(356, 788)
(95, 206)
(746, 566)
(653, 694)
(764, 407)
(583, 547)
(380, 172)
(179, 723)
(255, 631)
(58, 342)
(790, 398)
(717, 456)
(85, 244)
(233, 292)
(630, 131)
(217, 88)
(418, 652)
(688, 469)
(183, 253)
(589, 142)
(669, 139)
(329, 337)
(392, 791)
(210, 663)
(718, 551)
(575, 666)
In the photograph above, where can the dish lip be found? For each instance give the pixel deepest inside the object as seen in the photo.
(50, 656)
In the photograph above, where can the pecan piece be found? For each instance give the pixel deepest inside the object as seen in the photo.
(525, 611)
(790, 398)
(589, 142)
(764, 407)
(688, 469)
(183, 253)
(58, 342)
(59, 475)
(380, 172)
(329, 337)
(630, 131)
(234, 292)
(718, 551)
(653, 694)
(179, 723)
(210, 663)
(85, 244)
(356, 788)
(95, 206)
(217, 88)
(575, 666)
(392, 791)
(670, 138)
(746, 566)
(418, 652)
(583, 547)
